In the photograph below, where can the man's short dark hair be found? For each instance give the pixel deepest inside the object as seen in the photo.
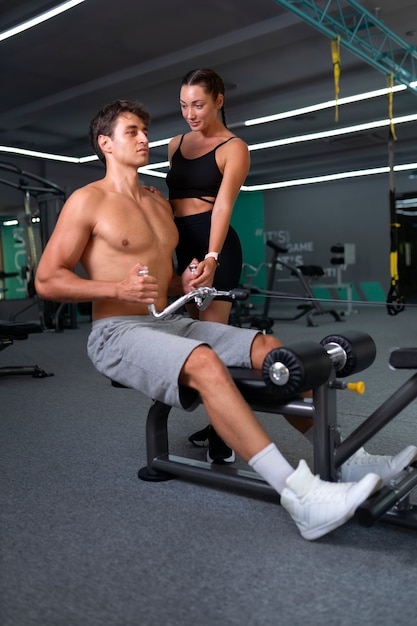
(103, 122)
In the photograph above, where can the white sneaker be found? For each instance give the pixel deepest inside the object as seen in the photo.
(387, 467)
(317, 506)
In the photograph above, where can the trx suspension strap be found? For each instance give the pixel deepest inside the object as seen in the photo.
(395, 302)
(336, 71)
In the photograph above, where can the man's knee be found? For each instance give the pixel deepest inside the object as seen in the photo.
(261, 345)
(202, 366)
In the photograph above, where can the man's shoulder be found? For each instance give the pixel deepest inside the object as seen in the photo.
(94, 188)
(91, 189)
(157, 197)
(82, 201)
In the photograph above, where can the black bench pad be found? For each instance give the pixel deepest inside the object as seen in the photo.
(251, 384)
(19, 330)
(403, 358)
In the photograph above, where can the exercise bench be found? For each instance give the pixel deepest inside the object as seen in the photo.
(19, 331)
(287, 372)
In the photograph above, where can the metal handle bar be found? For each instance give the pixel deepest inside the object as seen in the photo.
(202, 296)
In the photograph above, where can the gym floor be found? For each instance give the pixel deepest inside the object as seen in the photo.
(85, 543)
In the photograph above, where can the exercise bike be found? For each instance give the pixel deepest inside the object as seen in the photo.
(304, 273)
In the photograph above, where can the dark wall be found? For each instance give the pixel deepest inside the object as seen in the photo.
(311, 218)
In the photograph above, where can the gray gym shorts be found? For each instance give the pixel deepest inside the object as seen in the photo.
(148, 354)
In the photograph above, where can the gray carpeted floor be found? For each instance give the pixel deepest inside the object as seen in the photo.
(85, 543)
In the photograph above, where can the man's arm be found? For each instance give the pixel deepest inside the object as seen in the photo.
(55, 276)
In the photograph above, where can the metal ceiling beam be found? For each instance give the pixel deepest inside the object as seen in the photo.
(362, 33)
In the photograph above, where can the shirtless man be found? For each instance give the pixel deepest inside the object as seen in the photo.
(115, 227)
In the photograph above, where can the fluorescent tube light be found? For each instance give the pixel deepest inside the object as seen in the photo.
(328, 178)
(327, 105)
(157, 166)
(316, 179)
(332, 133)
(160, 142)
(150, 172)
(42, 17)
(40, 155)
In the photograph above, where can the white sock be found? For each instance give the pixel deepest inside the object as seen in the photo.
(272, 466)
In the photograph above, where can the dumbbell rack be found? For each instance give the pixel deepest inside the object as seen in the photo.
(391, 504)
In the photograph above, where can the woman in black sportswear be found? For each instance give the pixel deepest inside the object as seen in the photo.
(208, 166)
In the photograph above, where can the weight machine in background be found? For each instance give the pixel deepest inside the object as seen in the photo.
(42, 202)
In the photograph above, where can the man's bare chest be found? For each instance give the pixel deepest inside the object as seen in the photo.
(136, 230)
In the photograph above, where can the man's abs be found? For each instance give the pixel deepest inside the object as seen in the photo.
(116, 308)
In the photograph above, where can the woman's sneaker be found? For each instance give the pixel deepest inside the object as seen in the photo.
(200, 438)
(218, 452)
(317, 506)
(387, 467)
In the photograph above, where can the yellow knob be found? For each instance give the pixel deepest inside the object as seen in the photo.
(359, 387)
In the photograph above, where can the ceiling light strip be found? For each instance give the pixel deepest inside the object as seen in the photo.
(328, 178)
(323, 105)
(41, 155)
(316, 179)
(327, 105)
(149, 171)
(258, 146)
(145, 170)
(332, 133)
(42, 17)
(283, 115)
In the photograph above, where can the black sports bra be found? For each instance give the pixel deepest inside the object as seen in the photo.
(194, 178)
